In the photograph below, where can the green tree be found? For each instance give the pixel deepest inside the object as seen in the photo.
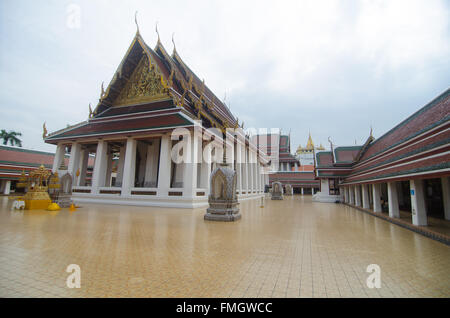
(11, 136)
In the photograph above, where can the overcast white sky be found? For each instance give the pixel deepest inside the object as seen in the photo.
(330, 67)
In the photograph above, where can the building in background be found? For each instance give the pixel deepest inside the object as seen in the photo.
(288, 168)
(407, 169)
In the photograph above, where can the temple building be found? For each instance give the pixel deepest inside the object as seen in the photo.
(153, 104)
(287, 168)
(404, 171)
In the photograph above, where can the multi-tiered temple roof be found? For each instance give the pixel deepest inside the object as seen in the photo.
(150, 91)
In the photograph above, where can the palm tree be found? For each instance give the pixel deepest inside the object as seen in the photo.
(11, 136)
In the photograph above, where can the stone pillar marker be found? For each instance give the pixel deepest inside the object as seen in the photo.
(277, 191)
(223, 203)
(376, 190)
(394, 211)
(418, 207)
(365, 196)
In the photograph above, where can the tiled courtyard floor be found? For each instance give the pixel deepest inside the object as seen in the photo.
(290, 248)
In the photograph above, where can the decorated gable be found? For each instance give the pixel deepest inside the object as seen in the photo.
(144, 85)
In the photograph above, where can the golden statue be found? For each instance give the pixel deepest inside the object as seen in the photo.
(37, 183)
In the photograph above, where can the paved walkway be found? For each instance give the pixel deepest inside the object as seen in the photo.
(289, 248)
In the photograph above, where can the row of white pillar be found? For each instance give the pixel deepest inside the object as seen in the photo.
(354, 193)
(250, 176)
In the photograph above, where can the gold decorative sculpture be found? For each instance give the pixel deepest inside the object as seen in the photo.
(37, 196)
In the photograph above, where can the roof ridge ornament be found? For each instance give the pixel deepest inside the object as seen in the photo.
(173, 41)
(135, 21)
(102, 94)
(159, 41)
(90, 111)
(44, 131)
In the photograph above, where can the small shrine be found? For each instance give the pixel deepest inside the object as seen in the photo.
(277, 191)
(223, 203)
(37, 185)
(289, 189)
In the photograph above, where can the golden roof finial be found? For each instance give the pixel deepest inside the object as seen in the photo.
(310, 144)
(371, 131)
(44, 131)
(159, 41)
(173, 41)
(135, 21)
(90, 110)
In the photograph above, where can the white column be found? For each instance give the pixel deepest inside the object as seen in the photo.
(324, 186)
(446, 196)
(345, 194)
(98, 177)
(239, 167)
(83, 165)
(365, 196)
(206, 169)
(312, 190)
(151, 166)
(165, 162)
(351, 191)
(244, 170)
(250, 171)
(59, 156)
(74, 161)
(7, 188)
(190, 168)
(109, 158)
(129, 167)
(119, 177)
(376, 193)
(302, 191)
(357, 195)
(394, 211)
(418, 207)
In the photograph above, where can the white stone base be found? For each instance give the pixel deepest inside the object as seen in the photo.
(322, 197)
(157, 201)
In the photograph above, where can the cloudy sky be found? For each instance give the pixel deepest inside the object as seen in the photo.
(334, 68)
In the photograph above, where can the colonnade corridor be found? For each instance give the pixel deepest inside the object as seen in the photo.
(289, 248)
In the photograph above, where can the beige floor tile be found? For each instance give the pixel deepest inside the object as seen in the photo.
(296, 248)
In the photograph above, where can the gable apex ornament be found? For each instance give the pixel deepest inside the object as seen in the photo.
(135, 21)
